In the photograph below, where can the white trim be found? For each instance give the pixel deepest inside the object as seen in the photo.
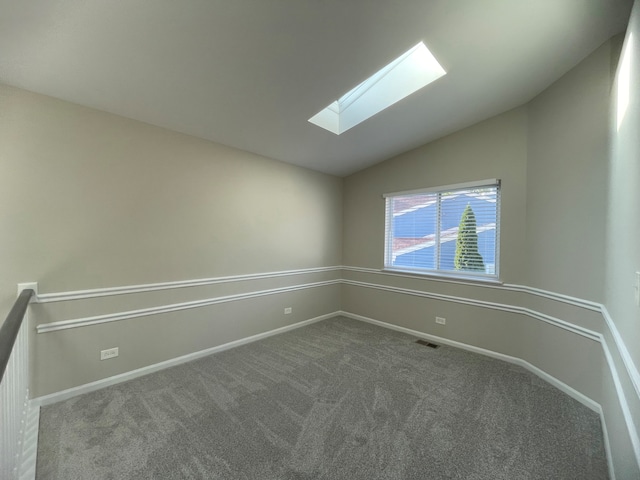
(590, 334)
(622, 350)
(113, 317)
(630, 367)
(101, 292)
(150, 287)
(607, 444)
(578, 302)
(629, 364)
(622, 399)
(144, 312)
(573, 393)
(443, 275)
(588, 402)
(492, 182)
(398, 272)
(558, 297)
(139, 372)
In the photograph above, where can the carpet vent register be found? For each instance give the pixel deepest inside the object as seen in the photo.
(427, 343)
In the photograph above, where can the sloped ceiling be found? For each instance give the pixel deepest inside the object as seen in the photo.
(249, 73)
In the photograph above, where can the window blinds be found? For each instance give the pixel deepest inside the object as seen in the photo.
(452, 230)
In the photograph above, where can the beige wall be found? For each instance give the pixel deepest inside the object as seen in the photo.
(89, 200)
(495, 148)
(567, 180)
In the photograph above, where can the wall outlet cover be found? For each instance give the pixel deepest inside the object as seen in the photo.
(109, 353)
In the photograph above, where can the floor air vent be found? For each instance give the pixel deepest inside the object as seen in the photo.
(427, 343)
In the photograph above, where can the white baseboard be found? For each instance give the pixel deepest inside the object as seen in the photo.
(28, 470)
(622, 401)
(620, 346)
(123, 377)
(607, 445)
(573, 393)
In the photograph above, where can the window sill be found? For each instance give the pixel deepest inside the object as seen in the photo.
(440, 276)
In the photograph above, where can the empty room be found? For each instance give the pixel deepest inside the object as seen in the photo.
(313, 239)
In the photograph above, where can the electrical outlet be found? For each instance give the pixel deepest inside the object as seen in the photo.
(441, 320)
(109, 353)
(287, 310)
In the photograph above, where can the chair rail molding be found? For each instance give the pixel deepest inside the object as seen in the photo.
(151, 287)
(616, 346)
(619, 345)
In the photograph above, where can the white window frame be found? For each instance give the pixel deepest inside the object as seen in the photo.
(388, 242)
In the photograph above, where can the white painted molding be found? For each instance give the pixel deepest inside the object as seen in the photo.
(588, 402)
(490, 182)
(607, 444)
(622, 399)
(619, 344)
(622, 349)
(151, 287)
(592, 404)
(144, 312)
(114, 317)
(559, 297)
(483, 304)
(29, 469)
(573, 393)
(123, 377)
(629, 364)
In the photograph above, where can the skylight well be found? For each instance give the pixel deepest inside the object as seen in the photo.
(405, 75)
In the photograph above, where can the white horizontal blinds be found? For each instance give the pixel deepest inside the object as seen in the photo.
(424, 229)
(469, 230)
(413, 221)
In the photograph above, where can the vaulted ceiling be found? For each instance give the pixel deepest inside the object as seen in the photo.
(250, 73)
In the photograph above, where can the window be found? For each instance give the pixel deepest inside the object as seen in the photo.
(452, 230)
(407, 74)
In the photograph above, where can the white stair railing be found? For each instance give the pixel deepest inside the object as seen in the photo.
(14, 388)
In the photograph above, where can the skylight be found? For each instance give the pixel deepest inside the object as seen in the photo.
(405, 75)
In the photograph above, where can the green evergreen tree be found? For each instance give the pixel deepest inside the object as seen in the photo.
(467, 255)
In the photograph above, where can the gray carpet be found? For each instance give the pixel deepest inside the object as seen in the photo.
(339, 399)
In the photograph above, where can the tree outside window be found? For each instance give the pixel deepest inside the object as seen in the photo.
(467, 256)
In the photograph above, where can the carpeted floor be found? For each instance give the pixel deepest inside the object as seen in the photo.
(339, 399)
